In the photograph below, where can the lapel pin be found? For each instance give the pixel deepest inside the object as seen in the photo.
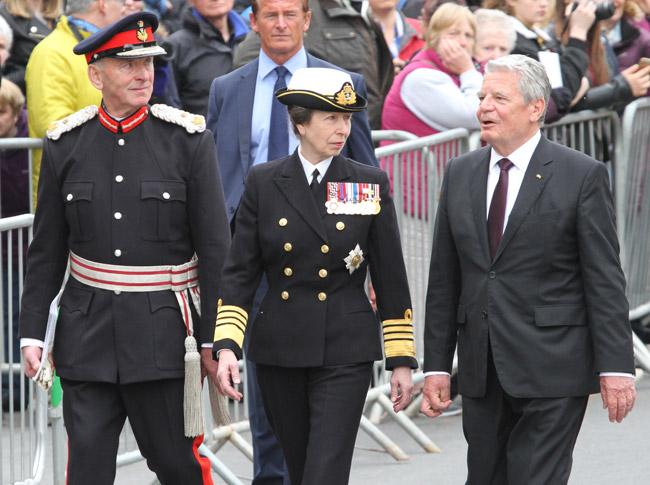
(538, 176)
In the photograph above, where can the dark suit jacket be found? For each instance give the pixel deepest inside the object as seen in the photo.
(552, 303)
(303, 329)
(230, 112)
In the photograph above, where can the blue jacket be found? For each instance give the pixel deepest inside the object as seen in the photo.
(230, 111)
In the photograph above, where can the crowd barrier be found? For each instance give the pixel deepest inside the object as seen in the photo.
(415, 166)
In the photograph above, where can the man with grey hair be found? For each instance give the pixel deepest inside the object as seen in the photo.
(525, 277)
(57, 79)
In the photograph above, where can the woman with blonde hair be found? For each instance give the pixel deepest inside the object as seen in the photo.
(443, 73)
(30, 21)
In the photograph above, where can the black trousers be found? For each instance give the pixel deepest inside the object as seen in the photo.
(517, 441)
(315, 414)
(94, 414)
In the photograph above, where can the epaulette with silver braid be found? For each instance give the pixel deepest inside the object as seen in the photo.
(69, 123)
(191, 122)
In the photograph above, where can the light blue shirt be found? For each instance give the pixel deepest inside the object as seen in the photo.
(260, 124)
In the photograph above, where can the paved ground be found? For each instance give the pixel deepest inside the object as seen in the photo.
(617, 454)
(606, 453)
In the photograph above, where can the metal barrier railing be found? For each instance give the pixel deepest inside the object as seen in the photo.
(23, 436)
(634, 174)
(633, 211)
(416, 167)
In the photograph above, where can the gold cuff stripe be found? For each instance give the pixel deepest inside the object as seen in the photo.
(231, 317)
(395, 335)
(406, 328)
(232, 308)
(231, 321)
(231, 332)
(407, 320)
(399, 348)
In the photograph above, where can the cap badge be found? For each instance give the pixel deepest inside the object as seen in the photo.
(346, 96)
(141, 33)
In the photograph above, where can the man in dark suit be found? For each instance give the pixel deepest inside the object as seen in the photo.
(122, 197)
(534, 297)
(239, 114)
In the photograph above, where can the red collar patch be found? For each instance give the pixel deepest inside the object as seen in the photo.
(125, 125)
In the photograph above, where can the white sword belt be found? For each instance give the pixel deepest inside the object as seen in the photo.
(182, 279)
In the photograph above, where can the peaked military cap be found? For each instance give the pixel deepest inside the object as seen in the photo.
(129, 37)
(323, 89)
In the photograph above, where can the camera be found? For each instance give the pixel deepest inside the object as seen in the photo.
(604, 10)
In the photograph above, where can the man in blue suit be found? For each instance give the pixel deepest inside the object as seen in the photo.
(239, 116)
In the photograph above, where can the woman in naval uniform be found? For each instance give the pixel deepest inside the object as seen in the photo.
(315, 222)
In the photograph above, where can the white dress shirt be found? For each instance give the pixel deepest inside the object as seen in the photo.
(309, 167)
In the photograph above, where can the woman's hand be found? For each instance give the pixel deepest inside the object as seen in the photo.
(401, 386)
(582, 19)
(638, 79)
(456, 59)
(228, 374)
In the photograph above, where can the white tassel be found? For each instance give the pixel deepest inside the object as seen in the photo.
(218, 404)
(192, 399)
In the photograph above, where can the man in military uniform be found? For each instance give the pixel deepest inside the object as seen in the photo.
(129, 194)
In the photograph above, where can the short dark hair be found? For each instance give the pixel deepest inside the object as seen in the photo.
(299, 116)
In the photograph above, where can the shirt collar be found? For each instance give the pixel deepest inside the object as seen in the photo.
(521, 156)
(309, 167)
(266, 65)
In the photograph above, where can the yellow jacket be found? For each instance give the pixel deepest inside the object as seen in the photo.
(57, 84)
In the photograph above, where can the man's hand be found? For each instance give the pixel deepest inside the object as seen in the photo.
(401, 386)
(32, 358)
(208, 365)
(227, 374)
(437, 395)
(618, 395)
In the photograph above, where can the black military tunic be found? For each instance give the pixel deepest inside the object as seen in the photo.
(137, 192)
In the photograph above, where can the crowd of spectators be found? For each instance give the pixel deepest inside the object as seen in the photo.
(421, 75)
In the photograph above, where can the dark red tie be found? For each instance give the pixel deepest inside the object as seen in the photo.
(497, 213)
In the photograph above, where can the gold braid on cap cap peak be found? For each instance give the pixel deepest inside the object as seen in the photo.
(191, 122)
(70, 122)
(398, 336)
(342, 99)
